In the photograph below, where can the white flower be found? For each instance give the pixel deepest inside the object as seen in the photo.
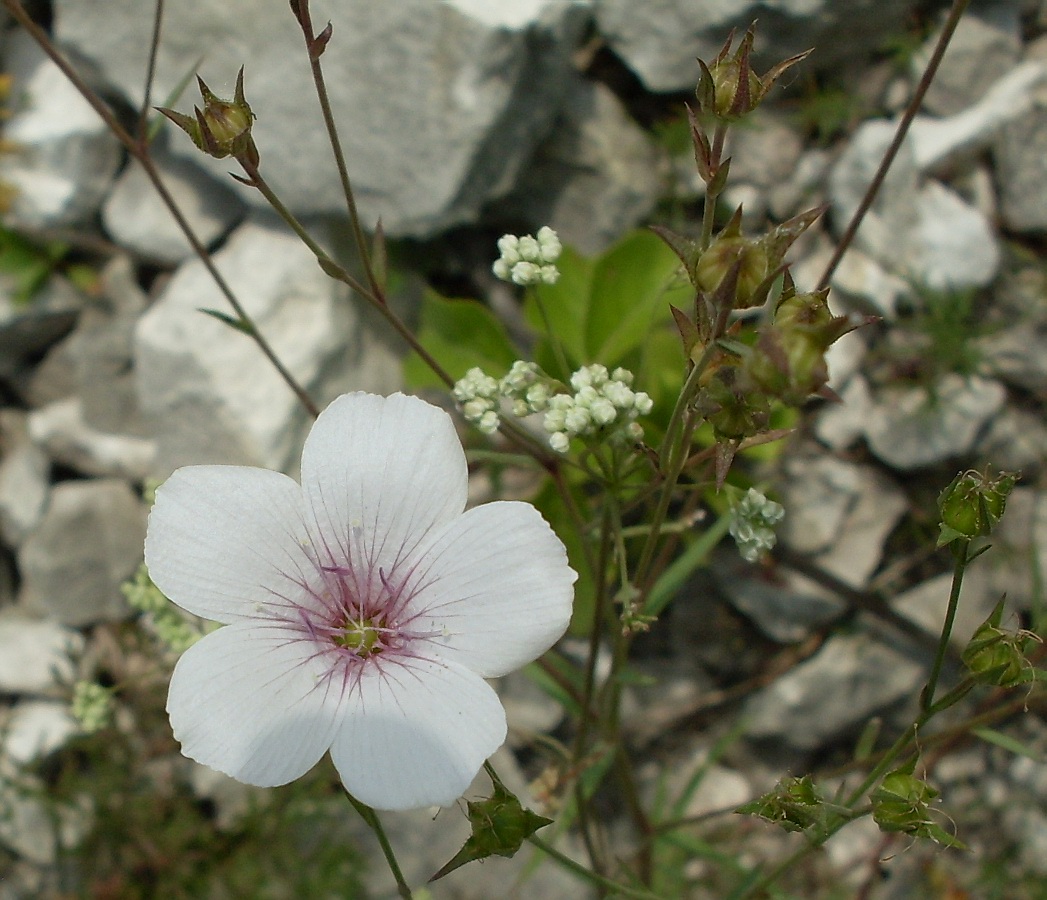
(529, 260)
(362, 610)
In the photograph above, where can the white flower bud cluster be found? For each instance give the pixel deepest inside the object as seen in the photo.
(92, 706)
(752, 524)
(529, 260)
(478, 394)
(599, 402)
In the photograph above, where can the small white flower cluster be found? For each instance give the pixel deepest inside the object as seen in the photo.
(478, 393)
(92, 706)
(529, 260)
(600, 401)
(752, 524)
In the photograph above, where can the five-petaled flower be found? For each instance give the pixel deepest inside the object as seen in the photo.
(362, 610)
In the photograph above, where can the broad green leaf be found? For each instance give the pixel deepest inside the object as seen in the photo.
(460, 334)
(566, 304)
(633, 285)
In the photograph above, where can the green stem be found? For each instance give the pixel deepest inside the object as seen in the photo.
(371, 818)
(962, 559)
(255, 179)
(557, 345)
(305, 20)
(712, 197)
(619, 890)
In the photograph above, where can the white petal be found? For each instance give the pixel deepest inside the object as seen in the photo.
(416, 734)
(250, 700)
(379, 474)
(224, 540)
(495, 587)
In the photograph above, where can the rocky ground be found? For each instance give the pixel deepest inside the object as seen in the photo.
(465, 120)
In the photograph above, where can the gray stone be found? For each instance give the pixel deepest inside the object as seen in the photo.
(764, 155)
(838, 514)
(1018, 556)
(840, 425)
(88, 543)
(137, 219)
(35, 728)
(66, 156)
(29, 328)
(927, 603)
(596, 176)
(660, 45)
(59, 428)
(920, 230)
(39, 830)
(439, 104)
(850, 679)
(101, 350)
(909, 428)
(984, 47)
(1019, 154)
(1015, 440)
(212, 394)
(783, 605)
(24, 478)
(1015, 354)
(33, 653)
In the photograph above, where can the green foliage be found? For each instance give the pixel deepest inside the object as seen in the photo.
(459, 334)
(29, 264)
(604, 310)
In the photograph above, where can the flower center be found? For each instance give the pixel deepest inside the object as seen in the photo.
(363, 637)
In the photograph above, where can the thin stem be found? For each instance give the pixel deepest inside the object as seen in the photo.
(962, 559)
(952, 20)
(301, 8)
(558, 351)
(140, 151)
(150, 72)
(711, 197)
(333, 269)
(616, 889)
(374, 823)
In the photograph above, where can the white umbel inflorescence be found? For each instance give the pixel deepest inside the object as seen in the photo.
(529, 260)
(752, 524)
(601, 402)
(478, 393)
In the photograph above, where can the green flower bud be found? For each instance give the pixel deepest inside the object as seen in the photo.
(972, 504)
(795, 804)
(725, 253)
(733, 405)
(223, 127)
(999, 657)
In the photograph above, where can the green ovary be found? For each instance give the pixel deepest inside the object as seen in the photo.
(362, 637)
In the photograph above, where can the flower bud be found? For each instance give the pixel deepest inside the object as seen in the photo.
(223, 127)
(795, 804)
(725, 253)
(972, 504)
(998, 657)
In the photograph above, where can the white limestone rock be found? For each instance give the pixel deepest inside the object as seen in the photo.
(66, 157)
(33, 652)
(137, 219)
(213, 396)
(87, 544)
(439, 104)
(660, 43)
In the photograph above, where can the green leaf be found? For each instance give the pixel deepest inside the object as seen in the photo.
(460, 334)
(992, 736)
(633, 285)
(603, 309)
(566, 304)
(226, 319)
